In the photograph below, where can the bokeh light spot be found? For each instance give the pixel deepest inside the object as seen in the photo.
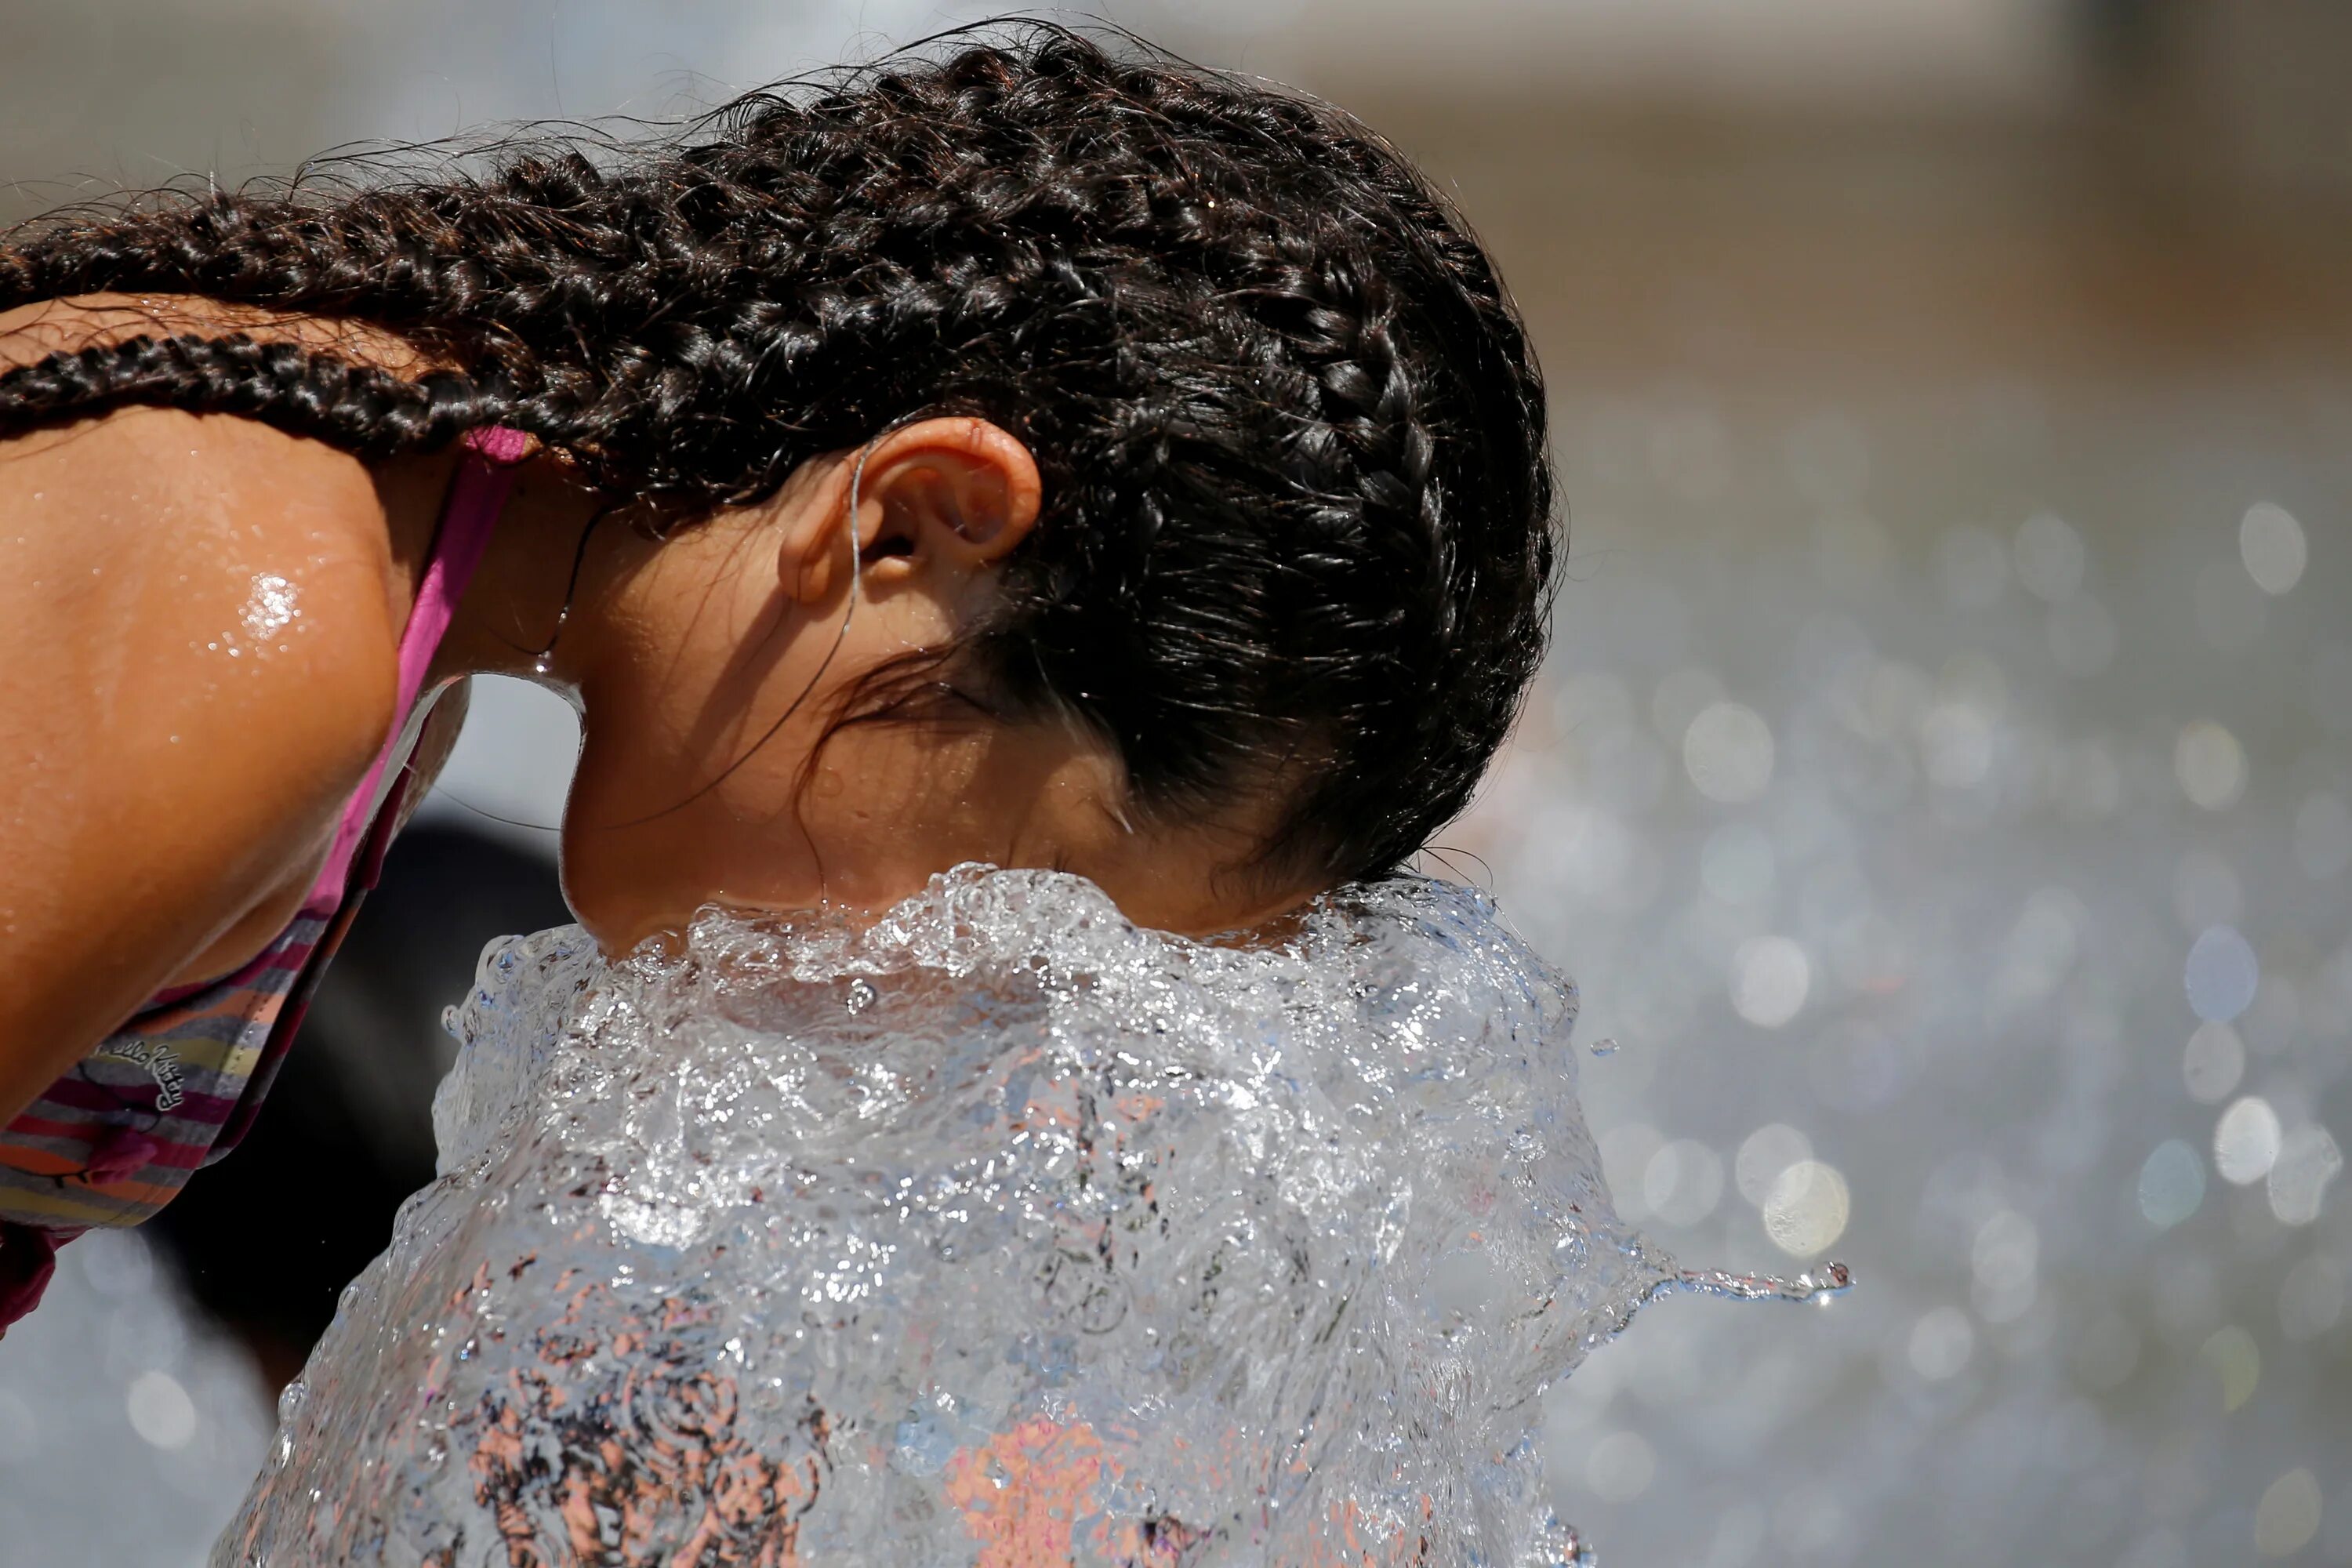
(1626, 1151)
(1680, 696)
(2311, 1300)
(1620, 1467)
(1769, 978)
(2171, 1184)
(2271, 544)
(1806, 1211)
(2215, 1060)
(2007, 1250)
(1728, 751)
(2246, 1141)
(2288, 1515)
(2328, 692)
(2005, 1260)
(2210, 764)
(1683, 1182)
(2085, 782)
(2050, 557)
(1941, 1342)
(1955, 744)
(161, 1411)
(2222, 974)
(2081, 635)
(1763, 1155)
(2237, 1360)
(2308, 1160)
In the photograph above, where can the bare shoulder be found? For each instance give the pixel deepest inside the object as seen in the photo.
(199, 622)
(198, 635)
(215, 500)
(151, 526)
(148, 529)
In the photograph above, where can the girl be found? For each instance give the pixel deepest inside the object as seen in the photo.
(1029, 455)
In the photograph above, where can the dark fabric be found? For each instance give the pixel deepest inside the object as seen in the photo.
(28, 1261)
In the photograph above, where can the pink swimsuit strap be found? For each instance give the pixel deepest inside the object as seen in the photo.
(484, 477)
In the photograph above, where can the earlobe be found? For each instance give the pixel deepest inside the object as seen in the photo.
(808, 555)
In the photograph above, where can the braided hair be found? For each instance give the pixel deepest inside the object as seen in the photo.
(1297, 530)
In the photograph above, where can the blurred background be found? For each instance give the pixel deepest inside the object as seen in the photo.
(1941, 785)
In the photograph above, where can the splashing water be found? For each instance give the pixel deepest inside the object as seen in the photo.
(998, 1232)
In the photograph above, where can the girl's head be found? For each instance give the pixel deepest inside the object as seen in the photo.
(1199, 462)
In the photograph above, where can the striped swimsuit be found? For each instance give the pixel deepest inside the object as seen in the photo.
(176, 1087)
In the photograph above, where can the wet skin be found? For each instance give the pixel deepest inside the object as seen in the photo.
(199, 622)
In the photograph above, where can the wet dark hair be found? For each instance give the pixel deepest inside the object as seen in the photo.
(1296, 533)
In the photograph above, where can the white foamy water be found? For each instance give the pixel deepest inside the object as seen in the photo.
(1002, 1232)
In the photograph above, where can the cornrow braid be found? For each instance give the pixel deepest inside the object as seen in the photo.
(359, 407)
(1298, 528)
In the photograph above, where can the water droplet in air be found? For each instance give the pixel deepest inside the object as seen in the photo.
(1815, 1287)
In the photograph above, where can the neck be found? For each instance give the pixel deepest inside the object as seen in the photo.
(512, 609)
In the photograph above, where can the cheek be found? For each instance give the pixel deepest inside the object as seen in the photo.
(888, 805)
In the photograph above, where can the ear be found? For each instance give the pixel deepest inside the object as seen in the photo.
(952, 495)
(943, 494)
